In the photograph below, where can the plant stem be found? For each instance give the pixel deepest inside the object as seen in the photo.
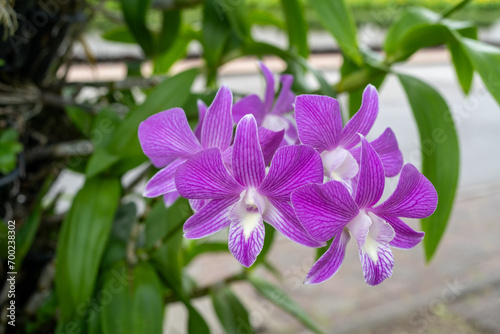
(453, 9)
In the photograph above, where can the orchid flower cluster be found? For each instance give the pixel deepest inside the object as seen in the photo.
(293, 165)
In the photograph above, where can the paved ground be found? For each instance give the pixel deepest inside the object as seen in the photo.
(458, 292)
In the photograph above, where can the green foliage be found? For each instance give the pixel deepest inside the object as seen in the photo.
(135, 254)
(82, 241)
(282, 300)
(440, 153)
(230, 311)
(9, 148)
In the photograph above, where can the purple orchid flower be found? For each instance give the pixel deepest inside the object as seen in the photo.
(319, 124)
(243, 199)
(168, 141)
(329, 211)
(268, 113)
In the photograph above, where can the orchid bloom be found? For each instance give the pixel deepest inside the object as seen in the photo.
(329, 211)
(168, 141)
(270, 114)
(319, 124)
(243, 199)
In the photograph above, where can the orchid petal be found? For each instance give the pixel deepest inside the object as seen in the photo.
(329, 263)
(202, 110)
(248, 162)
(204, 177)
(291, 167)
(167, 135)
(388, 151)
(284, 102)
(210, 219)
(197, 204)
(217, 130)
(250, 104)
(163, 181)
(160, 162)
(170, 198)
(246, 233)
(373, 236)
(269, 93)
(324, 209)
(269, 143)
(414, 197)
(319, 121)
(371, 176)
(362, 121)
(405, 237)
(281, 216)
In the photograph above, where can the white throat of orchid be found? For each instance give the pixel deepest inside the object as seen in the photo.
(275, 123)
(339, 165)
(248, 211)
(371, 232)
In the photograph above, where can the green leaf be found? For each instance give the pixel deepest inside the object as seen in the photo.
(337, 19)
(486, 60)
(116, 249)
(196, 323)
(409, 19)
(215, 32)
(440, 154)
(120, 35)
(169, 31)
(9, 148)
(172, 92)
(80, 118)
(282, 300)
(136, 304)
(100, 161)
(164, 61)
(296, 26)
(134, 12)
(268, 241)
(26, 234)
(103, 126)
(82, 241)
(462, 64)
(265, 18)
(231, 313)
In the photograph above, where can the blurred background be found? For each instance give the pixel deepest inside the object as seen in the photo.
(76, 79)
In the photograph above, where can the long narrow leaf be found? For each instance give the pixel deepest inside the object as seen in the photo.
(440, 154)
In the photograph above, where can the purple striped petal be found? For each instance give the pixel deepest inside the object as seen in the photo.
(167, 135)
(248, 162)
(197, 204)
(405, 237)
(204, 177)
(210, 219)
(217, 128)
(362, 121)
(202, 110)
(170, 198)
(414, 197)
(269, 93)
(291, 167)
(284, 102)
(376, 271)
(371, 177)
(281, 216)
(246, 233)
(319, 121)
(388, 151)
(373, 236)
(160, 162)
(324, 209)
(250, 104)
(269, 143)
(163, 181)
(329, 263)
